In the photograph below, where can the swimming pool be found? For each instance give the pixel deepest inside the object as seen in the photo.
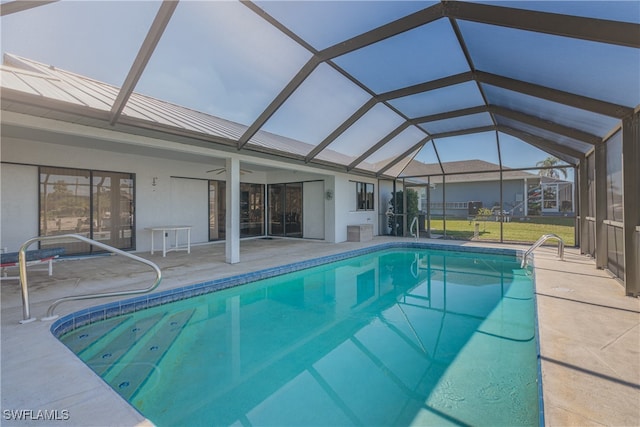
(396, 336)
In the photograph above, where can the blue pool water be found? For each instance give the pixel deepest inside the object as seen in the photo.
(396, 337)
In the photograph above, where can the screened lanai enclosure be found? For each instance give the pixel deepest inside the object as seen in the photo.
(496, 120)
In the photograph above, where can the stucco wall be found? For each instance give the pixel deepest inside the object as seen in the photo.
(346, 213)
(173, 199)
(487, 192)
(155, 204)
(19, 205)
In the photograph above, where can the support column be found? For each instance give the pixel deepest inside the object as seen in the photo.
(583, 199)
(601, 205)
(501, 216)
(444, 207)
(232, 241)
(405, 211)
(428, 207)
(526, 198)
(631, 202)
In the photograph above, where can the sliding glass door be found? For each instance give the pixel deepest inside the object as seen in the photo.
(96, 204)
(251, 210)
(112, 208)
(285, 209)
(217, 210)
(293, 210)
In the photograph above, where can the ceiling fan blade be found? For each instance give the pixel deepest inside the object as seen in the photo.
(218, 171)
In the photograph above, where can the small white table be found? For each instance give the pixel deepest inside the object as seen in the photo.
(165, 230)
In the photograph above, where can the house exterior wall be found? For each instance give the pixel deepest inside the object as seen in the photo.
(514, 197)
(487, 192)
(19, 205)
(346, 210)
(313, 207)
(164, 203)
(180, 193)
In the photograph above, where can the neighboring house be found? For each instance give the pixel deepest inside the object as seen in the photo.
(523, 193)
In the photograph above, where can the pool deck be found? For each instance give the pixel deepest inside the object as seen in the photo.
(589, 332)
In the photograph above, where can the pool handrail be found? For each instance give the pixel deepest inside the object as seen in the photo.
(539, 243)
(26, 315)
(416, 234)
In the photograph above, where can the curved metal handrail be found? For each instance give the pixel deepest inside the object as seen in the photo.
(539, 243)
(416, 234)
(25, 287)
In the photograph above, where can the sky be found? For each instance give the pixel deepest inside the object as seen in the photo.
(221, 58)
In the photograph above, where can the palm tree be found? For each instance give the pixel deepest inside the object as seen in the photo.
(551, 170)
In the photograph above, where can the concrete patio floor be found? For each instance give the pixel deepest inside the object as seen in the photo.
(589, 332)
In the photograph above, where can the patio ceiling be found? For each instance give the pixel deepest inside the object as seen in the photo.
(364, 87)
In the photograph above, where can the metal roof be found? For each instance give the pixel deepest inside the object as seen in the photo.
(375, 88)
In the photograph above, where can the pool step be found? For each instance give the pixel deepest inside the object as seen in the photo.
(146, 356)
(82, 338)
(110, 352)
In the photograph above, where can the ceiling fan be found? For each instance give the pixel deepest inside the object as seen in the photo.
(223, 170)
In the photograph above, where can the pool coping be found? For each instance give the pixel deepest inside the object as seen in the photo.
(536, 322)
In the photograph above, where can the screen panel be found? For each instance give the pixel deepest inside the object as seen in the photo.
(425, 53)
(597, 70)
(222, 59)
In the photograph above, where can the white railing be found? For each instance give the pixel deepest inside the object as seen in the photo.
(26, 315)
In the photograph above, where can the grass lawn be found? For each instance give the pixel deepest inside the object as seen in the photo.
(515, 231)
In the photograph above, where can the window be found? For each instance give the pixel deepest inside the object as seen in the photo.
(549, 197)
(364, 194)
(95, 204)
